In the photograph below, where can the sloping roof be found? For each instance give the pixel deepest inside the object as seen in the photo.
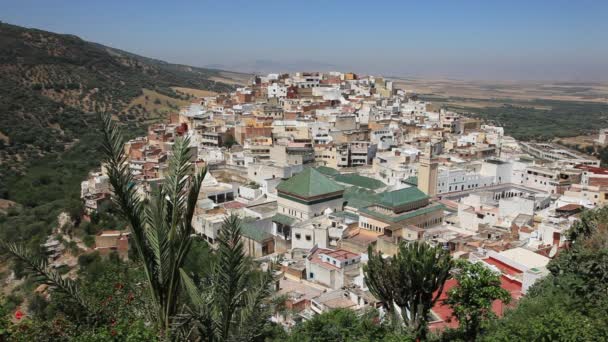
(327, 170)
(570, 207)
(309, 183)
(249, 230)
(413, 180)
(408, 214)
(283, 219)
(357, 197)
(401, 197)
(358, 180)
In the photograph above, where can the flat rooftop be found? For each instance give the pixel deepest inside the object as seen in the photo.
(264, 208)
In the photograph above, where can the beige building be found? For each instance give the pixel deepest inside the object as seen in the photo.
(428, 172)
(256, 240)
(109, 241)
(399, 208)
(292, 154)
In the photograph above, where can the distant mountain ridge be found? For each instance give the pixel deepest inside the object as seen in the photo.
(53, 85)
(263, 66)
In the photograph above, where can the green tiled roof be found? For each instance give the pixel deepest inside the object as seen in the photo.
(401, 197)
(328, 171)
(413, 180)
(283, 219)
(309, 183)
(404, 216)
(358, 180)
(358, 203)
(358, 197)
(254, 233)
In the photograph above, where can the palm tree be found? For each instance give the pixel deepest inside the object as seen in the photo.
(161, 227)
(412, 281)
(228, 304)
(232, 303)
(39, 268)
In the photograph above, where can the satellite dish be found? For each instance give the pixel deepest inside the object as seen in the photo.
(553, 251)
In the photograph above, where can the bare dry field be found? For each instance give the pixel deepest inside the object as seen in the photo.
(5, 205)
(232, 78)
(476, 91)
(581, 140)
(155, 103)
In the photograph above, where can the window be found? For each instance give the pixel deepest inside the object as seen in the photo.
(311, 275)
(308, 238)
(298, 236)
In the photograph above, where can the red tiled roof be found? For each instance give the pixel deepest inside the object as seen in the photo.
(444, 312)
(570, 207)
(593, 169)
(340, 254)
(315, 258)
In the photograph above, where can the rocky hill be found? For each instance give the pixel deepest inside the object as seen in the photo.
(53, 85)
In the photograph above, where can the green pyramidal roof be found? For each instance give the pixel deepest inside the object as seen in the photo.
(401, 197)
(309, 183)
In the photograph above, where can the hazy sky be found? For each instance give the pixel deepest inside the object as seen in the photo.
(540, 40)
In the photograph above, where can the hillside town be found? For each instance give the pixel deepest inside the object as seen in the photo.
(323, 167)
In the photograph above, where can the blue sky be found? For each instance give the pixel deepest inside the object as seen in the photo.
(511, 40)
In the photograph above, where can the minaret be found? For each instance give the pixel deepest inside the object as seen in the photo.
(427, 172)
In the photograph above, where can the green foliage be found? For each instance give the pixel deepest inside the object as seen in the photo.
(571, 304)
(471, 300)
(12, 301)
(128, 331)
(161, 228)
(89, 241)
(548, 315)
(230, 141)
(344, 325)
(4, 320)
(412, 280)
(231, 303)
(54, 85)
(530, 122)
(112, 291)
(44, 200)
(200, 258)
(40, 269)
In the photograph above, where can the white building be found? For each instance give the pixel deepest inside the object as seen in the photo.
(451, 180)
(277, 90)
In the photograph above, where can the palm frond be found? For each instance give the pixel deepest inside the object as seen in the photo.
(176, 182)
(254, 309)
(157, 237)
(40, 268)
(193, 292)
(196, 317)
(125, 197)
(229, 275)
